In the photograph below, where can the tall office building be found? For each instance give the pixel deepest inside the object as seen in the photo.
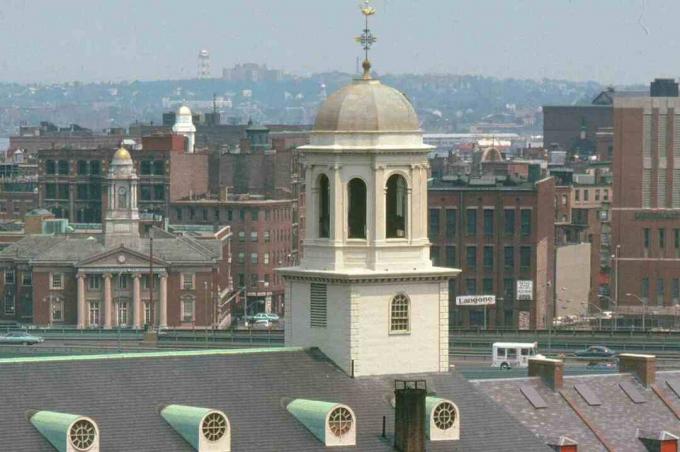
(646, 209)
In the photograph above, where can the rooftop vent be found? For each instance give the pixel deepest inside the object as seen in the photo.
(333, 424)
(658, 441)
(206, 430)
(67, 432)
(442, 419)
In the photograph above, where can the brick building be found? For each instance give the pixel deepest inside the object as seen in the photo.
(32, 139)
(71, 182)
(263, 240)
(498, 233)
(646, 209)
(117, 278)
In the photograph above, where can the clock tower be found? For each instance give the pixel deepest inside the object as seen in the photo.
(121, 222)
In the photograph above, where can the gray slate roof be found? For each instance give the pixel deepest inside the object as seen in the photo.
(72, 249)
(617, 418)
(124, 396)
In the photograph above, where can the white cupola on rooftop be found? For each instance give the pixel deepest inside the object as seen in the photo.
(366, 292)
(184, 125)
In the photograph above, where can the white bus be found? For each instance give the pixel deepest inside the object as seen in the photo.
(507, 355)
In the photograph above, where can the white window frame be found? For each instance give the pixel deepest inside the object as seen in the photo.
(189, 284)
(9, 303)
(392, 328)
(266, 258)
(94, 283)
(122, 282)
(23, 278)
(57, 302)
(92, 308)
(186, 316)
(10, 280)
(123, 313)
(147, 314)
(54, 277)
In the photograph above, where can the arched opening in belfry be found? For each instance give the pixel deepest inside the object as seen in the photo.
(324, 207)
(395, 201)
(356, 212)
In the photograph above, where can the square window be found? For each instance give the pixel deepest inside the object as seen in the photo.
(27, 278)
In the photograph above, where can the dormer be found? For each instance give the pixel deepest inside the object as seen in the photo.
(334, 424)
(442, 419)
(206, 430)
(67, 432)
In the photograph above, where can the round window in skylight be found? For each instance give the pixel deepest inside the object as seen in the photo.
(83, 434)
(214, 426)
(340, 421)
(444, 415)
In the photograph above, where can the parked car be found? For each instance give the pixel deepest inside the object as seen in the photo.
(595, 352)
(260, 316)
(273, 317)
(262, 324)
(20, 337)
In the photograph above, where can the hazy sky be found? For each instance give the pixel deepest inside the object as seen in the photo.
(611, 41)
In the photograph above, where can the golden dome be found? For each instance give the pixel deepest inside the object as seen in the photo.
(122, 154)
(367, 106)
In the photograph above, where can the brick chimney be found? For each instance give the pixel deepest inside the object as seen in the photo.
(643, 367)
(409, 415)
(658, 441)
(563, 444)
(551, 371)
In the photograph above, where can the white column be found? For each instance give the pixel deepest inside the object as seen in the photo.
(108, 311)
(163, 321)
(136, 301)
(81, 301)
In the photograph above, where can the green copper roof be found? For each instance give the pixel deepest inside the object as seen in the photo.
(312, 414)
(164, 354)
(186, 420)
(54, 427)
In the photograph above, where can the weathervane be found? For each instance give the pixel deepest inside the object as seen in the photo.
(366, 39)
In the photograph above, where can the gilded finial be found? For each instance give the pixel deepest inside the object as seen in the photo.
(366, 39)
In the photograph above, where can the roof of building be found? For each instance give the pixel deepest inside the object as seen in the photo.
(367, 106)
(617, 417)
(122, 155)
(69, 249)
(124, 396)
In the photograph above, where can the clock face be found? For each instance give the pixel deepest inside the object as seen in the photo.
(121, 259)
(122, 190)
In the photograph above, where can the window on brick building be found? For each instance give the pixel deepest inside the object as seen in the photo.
(395, 199)
(83, 167)
(95, 167)
(471, 286)
(253, 279)
(62, 167)
(509, 257)
(488, 222)
(159, 192)
(145, 167)
(253, 236)
(324, 207)
(660, 291)
(266, 258)
(241, 258)
(26, 278)
(254, 214)
(525, 218)
(434, 255)
(188, 281)
(509, 221)
(178, 213)
(662, 238)
(50, 167)
(508, 290)
(675, 291)
(487, 286)
(451, 215)
(57, 281)
(159, 168)
(644, 288)
(525, 257)
(188, 306)
(597, 195)
(586, 195)
(266, 237)
(645, 237)
(451, 260)
(10, 306)
(471, 221)
(488, 258)
(471, 257)
(253, 258)
(10, 278)
(605, 195)
(241, 236)
(433, 223)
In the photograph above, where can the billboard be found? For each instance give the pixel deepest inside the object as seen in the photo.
(525, 289)
(475, 300)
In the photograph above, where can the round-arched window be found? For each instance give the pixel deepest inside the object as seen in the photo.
(399, 314)
(444, 415)
(356, 212)
(324, 207)
(395, 207)
(214, 426)
(82, 435)
(340, 421)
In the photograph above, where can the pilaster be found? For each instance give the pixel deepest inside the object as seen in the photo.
(108, 311)
(136, 301)
(163, 321)
(82, 322)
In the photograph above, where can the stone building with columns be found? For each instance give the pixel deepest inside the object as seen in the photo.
(117, 278)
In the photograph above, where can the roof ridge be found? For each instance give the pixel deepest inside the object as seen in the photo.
(194, 243)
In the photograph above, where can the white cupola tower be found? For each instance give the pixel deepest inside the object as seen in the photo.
(184, 125)
(366, 292)
(121, 222)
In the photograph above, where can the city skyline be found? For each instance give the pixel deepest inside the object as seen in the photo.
(609, 42)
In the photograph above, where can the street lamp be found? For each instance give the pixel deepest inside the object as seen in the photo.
(644, 307)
